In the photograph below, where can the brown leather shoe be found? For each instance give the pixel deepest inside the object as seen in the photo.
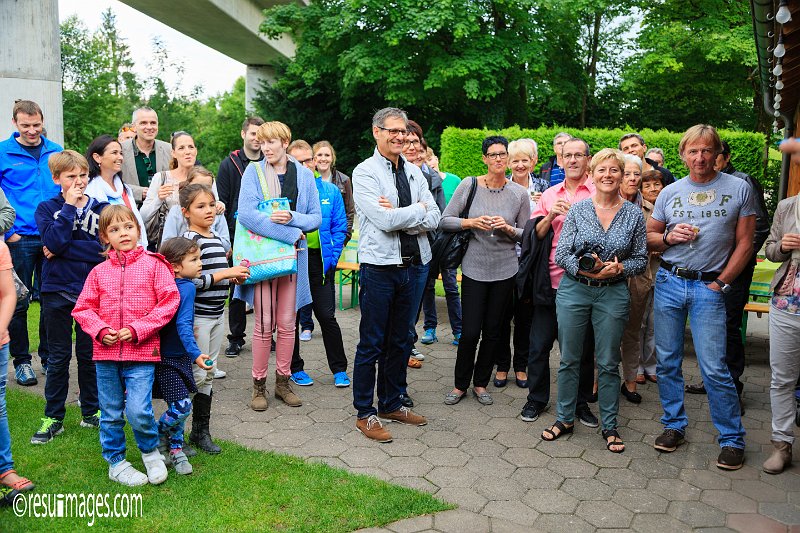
(404, 415)
(372, 428)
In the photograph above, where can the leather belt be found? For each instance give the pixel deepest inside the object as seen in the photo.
(690, 274)
(595, 282)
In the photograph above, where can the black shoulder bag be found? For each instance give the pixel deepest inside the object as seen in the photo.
(449, 247)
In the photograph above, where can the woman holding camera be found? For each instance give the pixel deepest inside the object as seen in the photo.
(603, 242)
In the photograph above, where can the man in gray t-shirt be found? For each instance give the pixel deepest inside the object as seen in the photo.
(714, 209)
(703, 225)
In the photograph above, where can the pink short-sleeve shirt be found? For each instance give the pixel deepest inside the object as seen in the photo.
(550, 197)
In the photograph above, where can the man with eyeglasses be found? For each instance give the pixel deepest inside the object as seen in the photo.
(144, 155)
(703, 225)
(551, 212)
(553, 169)
(301, 150)
(26, 179)
(396, 210)
(633, 143)
(229, 182)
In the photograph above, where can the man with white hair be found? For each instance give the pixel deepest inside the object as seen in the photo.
(144, 155)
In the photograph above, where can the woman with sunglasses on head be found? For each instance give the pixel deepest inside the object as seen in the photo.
(497, 216)
(164, 185)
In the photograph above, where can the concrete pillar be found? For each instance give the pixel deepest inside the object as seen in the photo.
(256, 76)
(30, 62)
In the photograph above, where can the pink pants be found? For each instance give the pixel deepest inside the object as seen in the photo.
(274, 309)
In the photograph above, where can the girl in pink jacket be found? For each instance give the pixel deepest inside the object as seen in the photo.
(126, 300)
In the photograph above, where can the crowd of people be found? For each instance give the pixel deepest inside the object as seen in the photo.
(607, 252)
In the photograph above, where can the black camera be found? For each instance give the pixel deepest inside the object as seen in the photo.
(586, 260)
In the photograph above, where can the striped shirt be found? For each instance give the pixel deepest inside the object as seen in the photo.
(210, 299)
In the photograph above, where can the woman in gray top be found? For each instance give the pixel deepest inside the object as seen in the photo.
(496, 217)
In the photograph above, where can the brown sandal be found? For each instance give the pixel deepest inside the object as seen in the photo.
(21, 485)
(413, 362)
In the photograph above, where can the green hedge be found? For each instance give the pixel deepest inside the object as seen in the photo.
(461, 149)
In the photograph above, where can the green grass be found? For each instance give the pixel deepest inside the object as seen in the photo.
(238, 490)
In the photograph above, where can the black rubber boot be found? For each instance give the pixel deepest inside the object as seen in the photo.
(201, 416)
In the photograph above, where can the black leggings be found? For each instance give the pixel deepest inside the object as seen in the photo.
(484, 305)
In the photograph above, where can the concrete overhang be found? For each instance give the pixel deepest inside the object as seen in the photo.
(228, 26)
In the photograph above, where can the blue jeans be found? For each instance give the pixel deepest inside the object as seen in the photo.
(57, 317)
(304, 317)
(675, 299)
(453, 301)
(26, 254)
(6, 463)
(418, 287)
(386, 296)
(128, 387)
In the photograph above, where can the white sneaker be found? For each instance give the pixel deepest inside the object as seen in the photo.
(156, 469)
(124, 472)
(416, 354)
(219, 374)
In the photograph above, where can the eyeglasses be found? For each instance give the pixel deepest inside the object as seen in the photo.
(576, 157)
(393, 132)
(411, 143)
(123, 129)
(497, 155)
(304, 161)
(634, 173)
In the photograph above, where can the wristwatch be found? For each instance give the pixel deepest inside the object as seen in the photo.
(723, 287)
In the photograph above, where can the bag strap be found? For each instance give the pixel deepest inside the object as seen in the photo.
(262, 179)
(472, 189)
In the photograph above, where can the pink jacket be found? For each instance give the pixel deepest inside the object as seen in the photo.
(134, 289)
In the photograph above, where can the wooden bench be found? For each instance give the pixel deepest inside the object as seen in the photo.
(348, 275)
(753, 306)
(348, 272)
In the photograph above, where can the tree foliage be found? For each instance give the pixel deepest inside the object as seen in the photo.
(101, 90)
(494, 63)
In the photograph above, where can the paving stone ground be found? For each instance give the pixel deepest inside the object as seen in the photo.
(498, 471)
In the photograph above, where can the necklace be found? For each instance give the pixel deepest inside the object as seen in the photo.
(490, 189)
(607, 208)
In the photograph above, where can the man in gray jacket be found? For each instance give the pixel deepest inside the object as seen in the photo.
(395, 209)
(144, 155)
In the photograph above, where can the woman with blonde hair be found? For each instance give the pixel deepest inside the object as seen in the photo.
(602, 243)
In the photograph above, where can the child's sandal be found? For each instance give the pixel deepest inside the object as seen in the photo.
(607, 433)
(550, 435)
(21, 485)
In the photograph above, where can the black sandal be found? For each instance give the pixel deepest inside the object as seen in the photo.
(617, 442)
(562, 430)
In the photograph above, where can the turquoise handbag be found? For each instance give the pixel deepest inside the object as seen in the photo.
(266, 258)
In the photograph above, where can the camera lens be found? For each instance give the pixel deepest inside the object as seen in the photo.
(586, 262)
